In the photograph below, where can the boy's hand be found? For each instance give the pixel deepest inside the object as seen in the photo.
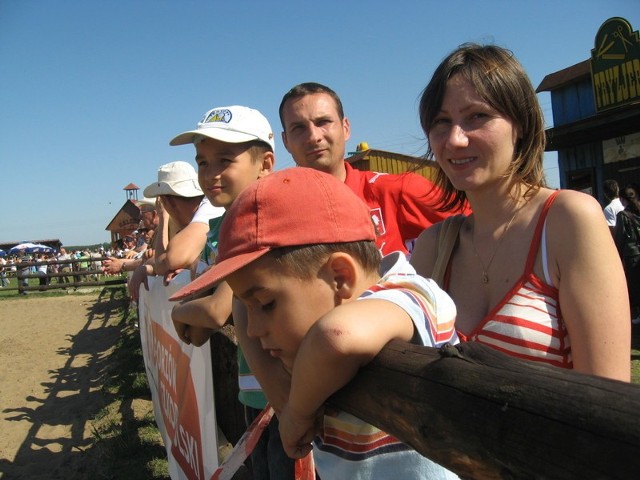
(183, 331)
(189, 334)
(139, 277)
(170, 276)
(199, 335)
(297, 432)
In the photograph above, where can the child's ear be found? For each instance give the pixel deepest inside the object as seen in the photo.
(343, 270)
(268, 162)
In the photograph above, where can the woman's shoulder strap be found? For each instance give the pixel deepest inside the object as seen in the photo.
(447, 239)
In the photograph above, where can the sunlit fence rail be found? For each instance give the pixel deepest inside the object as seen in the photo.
(61, 274)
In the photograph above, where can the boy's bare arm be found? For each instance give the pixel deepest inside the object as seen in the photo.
(197, 319)
(182, 250)
(211, 311)
(330, 355)
(269, 371)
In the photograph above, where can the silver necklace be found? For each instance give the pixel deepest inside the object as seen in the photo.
(485, 269)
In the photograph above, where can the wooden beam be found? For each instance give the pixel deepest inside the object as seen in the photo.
(486, 415)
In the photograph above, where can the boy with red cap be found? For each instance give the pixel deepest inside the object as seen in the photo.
(298, 250)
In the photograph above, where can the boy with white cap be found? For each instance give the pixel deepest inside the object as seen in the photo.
(184, 215)
(298, 250)
(234, 148)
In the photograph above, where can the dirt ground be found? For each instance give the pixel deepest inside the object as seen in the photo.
(53, 352)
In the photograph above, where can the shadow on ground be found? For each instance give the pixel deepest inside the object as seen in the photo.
(58, 443)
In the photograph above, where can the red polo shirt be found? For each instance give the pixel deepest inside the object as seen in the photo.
(401, 205)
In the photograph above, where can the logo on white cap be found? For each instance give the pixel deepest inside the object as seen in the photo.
(219, 115)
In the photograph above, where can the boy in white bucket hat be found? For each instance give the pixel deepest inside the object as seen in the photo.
(175, 178)
(234, 148)
(184, 212)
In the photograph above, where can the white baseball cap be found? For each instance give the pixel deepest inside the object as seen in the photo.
(234, 124)
(175, 178)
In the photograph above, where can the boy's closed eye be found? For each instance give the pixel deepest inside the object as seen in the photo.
(266, 307)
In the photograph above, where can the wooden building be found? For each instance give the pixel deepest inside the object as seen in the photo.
(126, 221)
(389, 162)
(596, 112)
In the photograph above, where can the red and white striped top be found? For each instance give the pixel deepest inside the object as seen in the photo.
(528, 323)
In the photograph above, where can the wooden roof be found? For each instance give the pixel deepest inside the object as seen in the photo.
(126, 220)
(566, 76)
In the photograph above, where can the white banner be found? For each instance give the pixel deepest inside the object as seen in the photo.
(621, 148)
(181, 384)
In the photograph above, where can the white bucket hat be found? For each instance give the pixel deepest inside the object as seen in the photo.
(176, 178)
(234, 124)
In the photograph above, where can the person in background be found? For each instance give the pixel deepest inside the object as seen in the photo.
(611, 191)
(83, 265)
(323, 303)
(141, 239)
(24, 270)
(41, 270)
(135, 244)
(534, 272)
(3, 274)
(627, 238)
(315, 132)
(64, 267)
(149, 219)
(181, 205)
(146, 239)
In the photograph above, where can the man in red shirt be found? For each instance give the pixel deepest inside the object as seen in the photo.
(315, 132)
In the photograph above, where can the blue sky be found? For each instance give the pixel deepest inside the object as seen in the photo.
(91, 92)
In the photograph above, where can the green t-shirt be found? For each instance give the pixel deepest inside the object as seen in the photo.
(249, 395)
(210, 250)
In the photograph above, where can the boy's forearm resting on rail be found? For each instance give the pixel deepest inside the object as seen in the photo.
(211, 311)
(335, 348)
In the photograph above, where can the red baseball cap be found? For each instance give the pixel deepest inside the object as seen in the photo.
(291, 207)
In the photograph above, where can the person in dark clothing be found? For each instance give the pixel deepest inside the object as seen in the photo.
(627, 238)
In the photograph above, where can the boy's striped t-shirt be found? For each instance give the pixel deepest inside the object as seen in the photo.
(351, 448)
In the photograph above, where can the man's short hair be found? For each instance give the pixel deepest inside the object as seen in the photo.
(611, 189)
(309, 88)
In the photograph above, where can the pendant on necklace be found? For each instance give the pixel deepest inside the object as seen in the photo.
(485, 278)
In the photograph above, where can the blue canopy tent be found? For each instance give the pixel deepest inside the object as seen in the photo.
(29, 247)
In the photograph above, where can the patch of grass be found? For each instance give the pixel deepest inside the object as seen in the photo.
(128, 443)
(635, 353)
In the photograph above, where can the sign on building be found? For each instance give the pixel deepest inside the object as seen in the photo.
(615, 64)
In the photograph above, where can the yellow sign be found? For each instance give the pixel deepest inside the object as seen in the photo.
(615, 64)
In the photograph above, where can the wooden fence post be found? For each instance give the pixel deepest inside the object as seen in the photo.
(485, 415)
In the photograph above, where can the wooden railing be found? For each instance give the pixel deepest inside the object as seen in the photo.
(79, 275)
(486, 415)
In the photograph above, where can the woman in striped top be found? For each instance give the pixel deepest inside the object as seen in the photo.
(534, 272)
